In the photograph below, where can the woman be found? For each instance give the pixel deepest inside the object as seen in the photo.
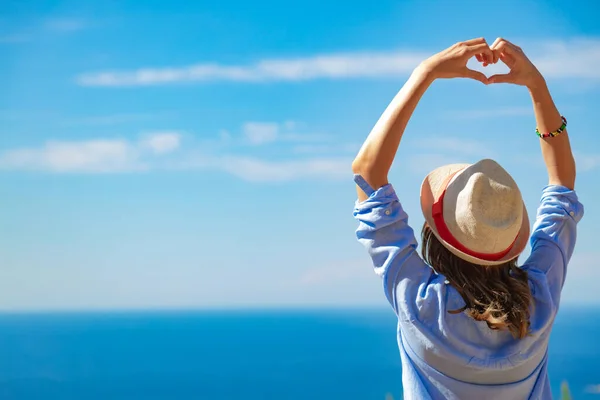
(471, 323)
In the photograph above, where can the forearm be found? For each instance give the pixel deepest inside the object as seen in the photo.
(376, 156)
(555, 150)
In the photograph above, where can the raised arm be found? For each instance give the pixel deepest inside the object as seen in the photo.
(555, 150)
(554, 232)
(376, 156)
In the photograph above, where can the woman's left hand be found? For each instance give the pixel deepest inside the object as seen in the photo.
(452, 62)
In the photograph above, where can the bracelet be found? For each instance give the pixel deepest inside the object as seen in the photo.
(553, 133)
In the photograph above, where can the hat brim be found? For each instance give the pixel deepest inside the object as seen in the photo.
(431, 189)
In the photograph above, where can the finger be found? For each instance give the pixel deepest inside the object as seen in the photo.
(478, 76)
(496, 42)
(487, 59)
(479, 57)
(501, 78)
(482, 49)
(504, 46)
(474, 41)
(511, 44)
(507, 59)
(495, 56)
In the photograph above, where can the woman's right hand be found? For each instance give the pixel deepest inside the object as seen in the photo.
(522, 71)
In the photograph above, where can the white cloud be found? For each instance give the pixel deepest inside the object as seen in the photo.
(574, 58)
(290, 125)
(257, 170)
(92, 156)
(116, 119)
(225, 136)
(14, 38)
(149, 153)
(577, 58)
(326, 148)
(304, 137)
(260, 132)
(162, 142)
(332, 66)
(65, 25)
(43, 27)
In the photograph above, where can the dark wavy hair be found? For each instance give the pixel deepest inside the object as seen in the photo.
(497, 294)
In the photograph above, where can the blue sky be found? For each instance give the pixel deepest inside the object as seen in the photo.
(197, 154)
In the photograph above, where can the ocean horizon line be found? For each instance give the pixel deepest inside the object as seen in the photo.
(236, 309)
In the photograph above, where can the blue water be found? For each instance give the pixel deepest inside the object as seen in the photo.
(238, 355)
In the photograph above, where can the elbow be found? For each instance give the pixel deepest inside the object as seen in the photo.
(360, 166)
(375, 176)
(357, 166)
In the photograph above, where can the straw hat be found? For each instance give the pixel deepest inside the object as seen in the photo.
(476, 211)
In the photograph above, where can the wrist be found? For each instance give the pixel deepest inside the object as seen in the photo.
(425, 71)
(536, 84)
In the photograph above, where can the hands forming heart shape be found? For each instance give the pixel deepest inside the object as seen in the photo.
(452, 62)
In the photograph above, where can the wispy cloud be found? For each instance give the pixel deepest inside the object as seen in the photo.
(14, 38)
(257, 170)
(574, 58)
(57, 25)
(90, 120)
(326, 148)
(116, 119)
(331, 66)
(93, 156)
(147, 154)
(259, 133)
(65, 25)
(162, 142)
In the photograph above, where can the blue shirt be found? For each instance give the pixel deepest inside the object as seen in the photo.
(452, 356)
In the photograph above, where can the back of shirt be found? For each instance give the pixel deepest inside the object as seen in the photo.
(450, 356)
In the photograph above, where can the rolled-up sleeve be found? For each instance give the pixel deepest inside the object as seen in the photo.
(553, 237)
(384, 231)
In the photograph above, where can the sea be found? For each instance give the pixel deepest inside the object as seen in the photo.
(314, 354)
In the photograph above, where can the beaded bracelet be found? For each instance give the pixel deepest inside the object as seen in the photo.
(553, 133)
